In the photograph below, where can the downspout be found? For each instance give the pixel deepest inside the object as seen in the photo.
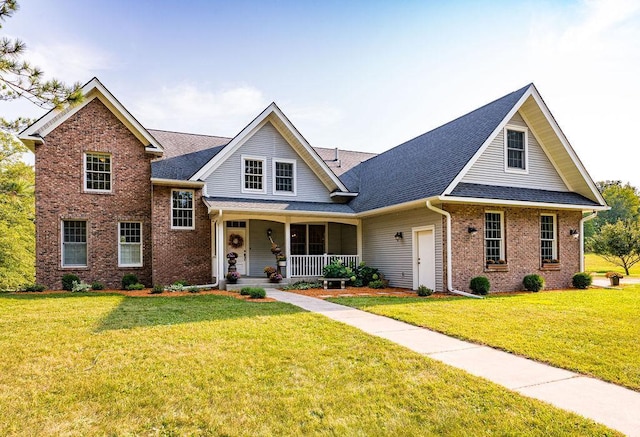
(448, 261)
(582, 220)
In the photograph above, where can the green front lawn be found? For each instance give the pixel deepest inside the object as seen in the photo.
(83, 364)
(594, 332)
(596, 264)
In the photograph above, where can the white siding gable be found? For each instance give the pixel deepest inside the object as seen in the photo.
(267, 143)
(489, 169)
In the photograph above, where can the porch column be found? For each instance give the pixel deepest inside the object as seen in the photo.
(359, 238)
(287, 244)
(221, 258)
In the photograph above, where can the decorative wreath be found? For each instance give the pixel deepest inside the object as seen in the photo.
(236, 241)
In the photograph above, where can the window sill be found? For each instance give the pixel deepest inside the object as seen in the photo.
(496, 268)
(554, 266)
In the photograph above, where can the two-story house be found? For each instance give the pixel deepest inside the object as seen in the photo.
(498, 192)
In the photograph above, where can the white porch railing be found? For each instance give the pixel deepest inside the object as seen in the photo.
(311, 265)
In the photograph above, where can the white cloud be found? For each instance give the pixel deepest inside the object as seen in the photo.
(70, 62)
(187, 107)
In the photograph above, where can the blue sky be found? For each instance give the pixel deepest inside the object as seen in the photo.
(355, 75)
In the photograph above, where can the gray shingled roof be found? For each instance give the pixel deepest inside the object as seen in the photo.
(347, 159)
(179, 143)
(426, 165)
(261, 205)
(520, 194)
(184, 166)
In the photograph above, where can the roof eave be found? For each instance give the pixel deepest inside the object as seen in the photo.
(520, 203)
(176, 183)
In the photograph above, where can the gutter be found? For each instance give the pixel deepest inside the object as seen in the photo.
(450, 288)
(582, 220)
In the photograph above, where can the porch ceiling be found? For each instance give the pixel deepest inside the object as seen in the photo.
(276, 206)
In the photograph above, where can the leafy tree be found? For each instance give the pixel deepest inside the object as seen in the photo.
(624, 201)
(17, 230)
(618, 243)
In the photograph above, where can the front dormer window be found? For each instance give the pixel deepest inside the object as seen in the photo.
(97, 172)
(515, 149)
(253, 174)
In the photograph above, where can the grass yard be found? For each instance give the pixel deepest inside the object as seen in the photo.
(102, 364)
(599, 266)
(594, 332)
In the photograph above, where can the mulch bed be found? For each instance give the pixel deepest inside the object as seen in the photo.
(147, 293)
(363, 292)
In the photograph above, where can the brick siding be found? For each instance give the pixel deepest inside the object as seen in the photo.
(180, 253)
(522, 247)
(60, 195)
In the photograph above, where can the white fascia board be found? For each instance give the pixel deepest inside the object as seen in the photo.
(565, 142)
(260, 212)
(502, 202)
(248, 131)
(343, 194)
(91, 90)
(488, 141)
(394, 208)
(177, 183)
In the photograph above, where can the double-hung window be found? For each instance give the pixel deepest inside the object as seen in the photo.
(284, 176)
(182, 209)
(130, 244)
(548, 240)
(74, 243)
(494, 236)
(253, 174)
(97, 172)
(516, 149)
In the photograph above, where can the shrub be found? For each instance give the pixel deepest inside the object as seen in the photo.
(157, 289)
(183, 282)
(176, 286)
(35, 288)
(378, 284)
(97, 286)
(533, 283)
(581, 280)
(257, 293)
(193, 290)
(480, 285)
(129, 279)
(136, 286)
(80, 287)
(302, 285)
(336, 269)
(68, 280)
(424, 291)
(244, 291)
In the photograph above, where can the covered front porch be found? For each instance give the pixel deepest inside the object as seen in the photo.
(308, 243)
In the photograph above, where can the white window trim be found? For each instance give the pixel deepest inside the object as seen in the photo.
(503, 235)
(120, 264)
(73, 266)
(294, 181)
(554, 248)
(193, 210)
(264, 174)
(84, 172)
(508, 169)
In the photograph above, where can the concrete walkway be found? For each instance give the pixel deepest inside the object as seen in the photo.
(609, 404)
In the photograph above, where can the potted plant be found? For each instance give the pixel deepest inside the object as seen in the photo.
(232, 277)
(282, 260)
(268, 270)
(614, 277)
(275, 277)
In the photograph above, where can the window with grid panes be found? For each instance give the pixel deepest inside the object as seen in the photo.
(97, 172)
(548, 242)
(182, 209)
(516, 149)
(130, 244)
(253, 174)
(74, 243)
(284, 177)
(493, 236)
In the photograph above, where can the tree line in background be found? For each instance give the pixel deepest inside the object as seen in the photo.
(615, 234)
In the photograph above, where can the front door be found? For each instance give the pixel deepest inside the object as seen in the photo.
(426, 259)
(237, 242)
